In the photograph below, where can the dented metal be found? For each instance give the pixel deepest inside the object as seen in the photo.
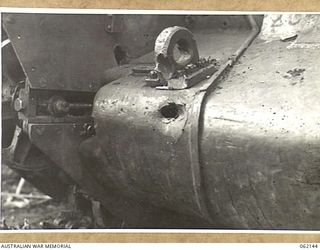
(230, 141)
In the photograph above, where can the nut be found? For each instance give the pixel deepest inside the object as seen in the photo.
(19, 104)
(153, 74)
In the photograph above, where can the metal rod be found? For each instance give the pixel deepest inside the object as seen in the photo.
(20, 185)
(4, 43)
(26, 196)
(80, 105)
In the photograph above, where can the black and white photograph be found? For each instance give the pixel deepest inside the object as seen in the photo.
(160, 120)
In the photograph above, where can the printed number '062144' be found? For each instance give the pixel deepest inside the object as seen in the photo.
(308, 245)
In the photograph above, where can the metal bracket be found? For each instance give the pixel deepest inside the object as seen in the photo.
(178, 65)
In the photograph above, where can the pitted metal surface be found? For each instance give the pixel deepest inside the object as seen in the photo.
(239, 149)
(168, 122)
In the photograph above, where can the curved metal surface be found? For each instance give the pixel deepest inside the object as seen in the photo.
(260, 141)
(239, 150)
(148, 157)
(256, 165)
(153, 157)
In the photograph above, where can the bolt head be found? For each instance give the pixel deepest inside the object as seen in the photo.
(153, 74)
(19, 104)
